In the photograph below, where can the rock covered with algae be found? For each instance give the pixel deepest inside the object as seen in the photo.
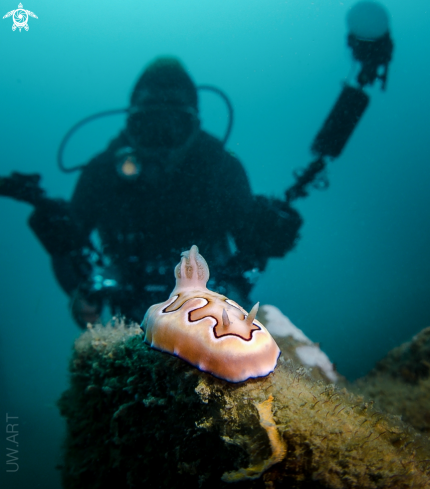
(400, 383)
(139, 418)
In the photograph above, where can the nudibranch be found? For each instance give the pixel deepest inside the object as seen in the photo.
(207, 329)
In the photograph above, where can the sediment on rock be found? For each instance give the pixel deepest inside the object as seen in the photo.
(139, 418)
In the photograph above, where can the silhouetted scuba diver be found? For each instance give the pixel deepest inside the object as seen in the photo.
(164, 184)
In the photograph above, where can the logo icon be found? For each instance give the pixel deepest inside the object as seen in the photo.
(20, 17)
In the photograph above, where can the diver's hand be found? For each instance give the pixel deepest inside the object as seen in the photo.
(24, 188)
(83, 310)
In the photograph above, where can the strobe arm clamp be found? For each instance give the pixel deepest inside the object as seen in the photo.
(304, 179)
(374, 57)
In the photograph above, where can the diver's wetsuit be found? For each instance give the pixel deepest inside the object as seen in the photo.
(206, 200)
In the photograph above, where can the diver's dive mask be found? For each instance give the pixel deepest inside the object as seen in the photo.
(188, 115)
(161, 129)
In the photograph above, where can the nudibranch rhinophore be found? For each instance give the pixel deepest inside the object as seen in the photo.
(206, 329)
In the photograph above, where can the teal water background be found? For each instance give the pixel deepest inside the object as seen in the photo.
(358, 281)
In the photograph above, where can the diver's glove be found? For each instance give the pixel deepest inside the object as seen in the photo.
(276, 224)
(24, 188)
(51, 220)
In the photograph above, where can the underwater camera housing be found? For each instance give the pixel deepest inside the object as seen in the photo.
(372, 47)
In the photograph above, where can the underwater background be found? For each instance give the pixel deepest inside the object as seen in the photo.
(358, 280)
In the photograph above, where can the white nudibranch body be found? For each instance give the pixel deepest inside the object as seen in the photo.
(207, 329)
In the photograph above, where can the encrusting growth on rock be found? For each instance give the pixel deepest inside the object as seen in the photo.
(139, 418)
(278, 446)
(400, 383)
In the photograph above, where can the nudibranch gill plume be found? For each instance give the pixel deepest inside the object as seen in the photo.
(207, 329)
